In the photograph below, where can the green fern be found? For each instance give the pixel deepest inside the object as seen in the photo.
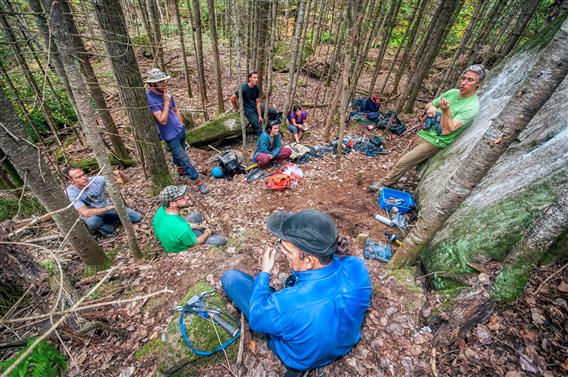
(44, 361)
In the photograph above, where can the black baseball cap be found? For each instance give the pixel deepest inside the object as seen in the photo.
(313, 232)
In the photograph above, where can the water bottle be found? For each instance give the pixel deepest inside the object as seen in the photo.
(384, 220)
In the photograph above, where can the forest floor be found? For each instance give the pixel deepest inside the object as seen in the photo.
(521, 340)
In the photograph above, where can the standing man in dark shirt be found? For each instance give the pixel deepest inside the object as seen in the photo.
(251, 102)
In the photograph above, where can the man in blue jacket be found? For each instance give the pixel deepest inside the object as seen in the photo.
(318, 317)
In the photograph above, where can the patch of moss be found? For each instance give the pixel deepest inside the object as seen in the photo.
(511, 282)
(448, 296)
(48, 265)
(486, 233)
(92, 270)
(148, 349)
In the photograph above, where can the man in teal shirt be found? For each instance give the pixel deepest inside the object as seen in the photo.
(175, 233)
(458, 109)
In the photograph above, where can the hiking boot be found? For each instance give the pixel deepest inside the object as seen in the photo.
(202, 188)
(376, 186)
(181, 171)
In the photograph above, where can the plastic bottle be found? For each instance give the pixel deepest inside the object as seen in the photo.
(383, 220)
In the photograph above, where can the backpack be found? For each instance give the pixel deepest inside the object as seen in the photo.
(392, 123)
(230, 164)
(298, 150)
(278, 181)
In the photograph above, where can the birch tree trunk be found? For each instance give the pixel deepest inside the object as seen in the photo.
(127, 75)
(512, 280)
(182, 46)
(63, 39)
(541, 82)
(29, 162)
(216, 60)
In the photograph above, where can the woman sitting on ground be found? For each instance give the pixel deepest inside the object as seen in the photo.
(269, 147)
(297, 122)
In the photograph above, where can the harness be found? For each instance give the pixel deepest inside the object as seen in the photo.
(197, 305)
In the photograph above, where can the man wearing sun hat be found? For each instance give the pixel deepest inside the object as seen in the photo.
(318, 317)
(175, 233)
(169, 123)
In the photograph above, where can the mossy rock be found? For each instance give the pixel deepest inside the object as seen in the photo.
(222, 127)
(173, 356)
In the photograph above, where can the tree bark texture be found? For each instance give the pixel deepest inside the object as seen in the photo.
(41, 181)
(182, 46)
(432, 42)
(199, 52)
(549, 71)
(295, 59)
(513, 278)
(63, 39)
(153, 13)
(527, 12)
(268, 83)
(263, 32)
(236, 30)
(127, 75)
(216, 60)
(118, 147)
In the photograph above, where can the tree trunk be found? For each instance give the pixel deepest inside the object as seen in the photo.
(527, 12)
(547, 74)
(182, 46)
(295, 56)
(216, 60)
(118, 147)
(268, 91)
(354, 18)
(391, 21)
(404, 38)
(63, 38)
(431, 43)
(12, 172)
(28, 74)
(127, 74)
(409, 47)
(264, 13)
(155, 26)
(465, 39)
(236, 30)
(199, 54)
(520, 264)
(146, 22)
(42, 182)
(332, 109)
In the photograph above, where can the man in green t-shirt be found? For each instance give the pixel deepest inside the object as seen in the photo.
(458, 108)
(175, 233)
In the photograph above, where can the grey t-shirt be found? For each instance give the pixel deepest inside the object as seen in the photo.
(93, 197)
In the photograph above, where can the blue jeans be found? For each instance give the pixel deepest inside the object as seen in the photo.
(238, 286)
(294, 129)
(105, 223)
(180, 157)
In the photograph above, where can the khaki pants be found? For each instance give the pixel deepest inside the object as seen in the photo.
(420, 150)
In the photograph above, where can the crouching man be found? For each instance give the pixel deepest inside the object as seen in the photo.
(317, 318)
(93, 204)
(175, 233)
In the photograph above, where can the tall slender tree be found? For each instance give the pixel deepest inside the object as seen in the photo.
(183, 53)
(216, 60)
(153, 13)
(131, 89)
(197, 24)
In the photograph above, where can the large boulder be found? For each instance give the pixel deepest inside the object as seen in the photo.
(526, 178)
(282, 59)
(225, 126)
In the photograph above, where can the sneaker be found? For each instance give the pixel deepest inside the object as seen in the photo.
(202, 188)
(376, 186)
(181, 171)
